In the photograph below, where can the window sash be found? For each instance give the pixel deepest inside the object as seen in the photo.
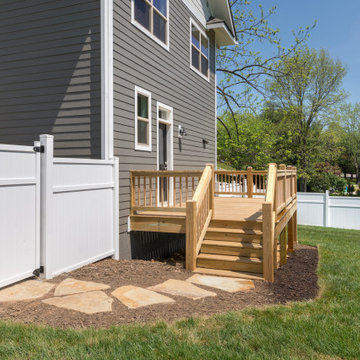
(200, 53)
(142, 124)
(153, 10)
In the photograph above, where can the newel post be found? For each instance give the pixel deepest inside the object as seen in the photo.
(212, 186)
(268, 241)
(250, 180)
(191, 227)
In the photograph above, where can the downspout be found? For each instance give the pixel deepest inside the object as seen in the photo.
(107, 80)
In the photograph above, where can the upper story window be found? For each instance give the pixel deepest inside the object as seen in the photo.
(142, 119)
(152, 17)
(199, 51)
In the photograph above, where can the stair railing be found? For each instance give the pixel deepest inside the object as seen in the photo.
(269, 208)
(199, 212)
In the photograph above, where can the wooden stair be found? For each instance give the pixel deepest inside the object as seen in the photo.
(232, 248)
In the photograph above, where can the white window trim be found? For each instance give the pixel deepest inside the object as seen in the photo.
(146, 93)
(148, 33)
(193, 23)
(170, 123)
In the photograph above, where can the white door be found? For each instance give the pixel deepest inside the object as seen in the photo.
(19, 213)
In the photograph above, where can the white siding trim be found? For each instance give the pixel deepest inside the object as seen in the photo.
(148, 33)
(141, 147)
(107, 80)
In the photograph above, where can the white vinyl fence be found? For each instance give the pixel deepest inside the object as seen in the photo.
(57, 214)
(19, 213)
(320, 209)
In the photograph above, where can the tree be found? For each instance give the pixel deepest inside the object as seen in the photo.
(350, 122)
(307, 89)
(256, 145)
(241, 69)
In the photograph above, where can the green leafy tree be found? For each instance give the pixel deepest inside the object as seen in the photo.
(241, 69)
(256, 145)
(309, 87)
(350, 122)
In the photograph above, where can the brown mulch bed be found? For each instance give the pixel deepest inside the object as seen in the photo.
(295, 281)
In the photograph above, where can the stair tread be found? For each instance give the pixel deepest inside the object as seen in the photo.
(231, 258)
(225, 243)
(229, 273)
(235, 231)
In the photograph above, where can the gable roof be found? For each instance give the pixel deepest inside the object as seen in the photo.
(215, 15)
(221, 10)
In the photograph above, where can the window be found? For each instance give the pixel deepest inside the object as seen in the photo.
(152, 17)
(199, 51)
(142, 119)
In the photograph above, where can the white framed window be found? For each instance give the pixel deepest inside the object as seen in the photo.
(142, 119)
(152, 17)
(199, 50)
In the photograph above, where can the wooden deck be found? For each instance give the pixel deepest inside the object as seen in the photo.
(233, 221)
(225, 209)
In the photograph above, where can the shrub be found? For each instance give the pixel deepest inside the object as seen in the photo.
(322, 181)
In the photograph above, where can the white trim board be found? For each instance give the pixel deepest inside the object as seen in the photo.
(107, 80)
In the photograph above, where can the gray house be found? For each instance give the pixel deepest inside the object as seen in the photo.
(133, 79)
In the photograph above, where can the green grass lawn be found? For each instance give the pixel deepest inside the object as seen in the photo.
(326, 328)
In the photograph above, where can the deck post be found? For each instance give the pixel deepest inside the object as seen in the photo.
(212, 187)
(249, 178)
(283, 252)
(268, 241)
(191, 226)
(291, 233)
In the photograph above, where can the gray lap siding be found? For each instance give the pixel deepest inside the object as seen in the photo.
(50, 74)
(139, 61)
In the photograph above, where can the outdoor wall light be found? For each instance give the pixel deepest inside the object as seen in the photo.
(205, 143)
(181, 132)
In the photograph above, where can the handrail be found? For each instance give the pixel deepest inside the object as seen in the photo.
(240, 182)
(280, 192)
(199, 212)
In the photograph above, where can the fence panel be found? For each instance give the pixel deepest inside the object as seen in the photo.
(19, 213)
(320, 209)
(79, 207)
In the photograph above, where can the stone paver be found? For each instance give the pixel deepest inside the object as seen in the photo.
(182, 288)
(72, 286)
(26, 290)
(223, 283)
(134, 297)
(89, 303)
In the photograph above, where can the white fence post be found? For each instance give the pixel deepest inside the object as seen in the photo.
(38, 208)
(47, 163)
(326, 208)
(116, 209)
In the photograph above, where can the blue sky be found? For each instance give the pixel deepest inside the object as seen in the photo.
(337, 30)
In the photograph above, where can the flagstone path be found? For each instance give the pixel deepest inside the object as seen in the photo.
(89, 297)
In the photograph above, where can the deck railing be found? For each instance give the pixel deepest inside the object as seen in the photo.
(162, 190)
(281, 192)
(199, 211)
(247, 183)
(285, 191)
